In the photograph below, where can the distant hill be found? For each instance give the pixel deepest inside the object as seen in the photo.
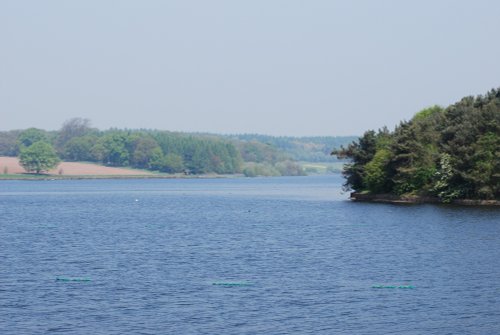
(306, 149)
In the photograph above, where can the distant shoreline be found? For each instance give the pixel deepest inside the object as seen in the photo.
(395, 199)
(45, 177)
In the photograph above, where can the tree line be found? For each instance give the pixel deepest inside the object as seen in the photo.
(155, 150)
(450, 153)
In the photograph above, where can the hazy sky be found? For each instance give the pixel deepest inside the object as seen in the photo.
(274, 67)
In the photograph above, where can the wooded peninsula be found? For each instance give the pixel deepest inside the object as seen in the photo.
(441, 154)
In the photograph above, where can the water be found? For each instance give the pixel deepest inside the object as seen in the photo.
(152, 250)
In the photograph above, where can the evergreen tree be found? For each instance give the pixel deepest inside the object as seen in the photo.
(450, 153)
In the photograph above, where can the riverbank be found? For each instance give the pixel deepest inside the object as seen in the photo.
(395, 199)
(35, 177)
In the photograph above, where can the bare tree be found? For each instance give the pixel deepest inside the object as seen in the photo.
(71, 128)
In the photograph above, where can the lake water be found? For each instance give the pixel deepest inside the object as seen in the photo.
(307, 260)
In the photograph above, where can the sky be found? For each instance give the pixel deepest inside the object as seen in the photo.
(277, 67)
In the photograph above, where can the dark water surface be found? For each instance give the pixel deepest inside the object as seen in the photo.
(152, 250)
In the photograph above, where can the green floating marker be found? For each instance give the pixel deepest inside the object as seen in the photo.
(70, 279)
(383, 286)
(231, 283)
(394, 286)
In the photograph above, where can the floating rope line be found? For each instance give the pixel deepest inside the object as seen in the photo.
(70, 279)
(394, 286)
(231, 283)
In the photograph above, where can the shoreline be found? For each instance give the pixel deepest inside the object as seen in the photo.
(395, 199)
(46, 177)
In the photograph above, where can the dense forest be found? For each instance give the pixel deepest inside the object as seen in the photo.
(144, 149)
(450, 153)
(164, 151)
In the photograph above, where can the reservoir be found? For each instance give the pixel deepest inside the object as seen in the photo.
(288, 255)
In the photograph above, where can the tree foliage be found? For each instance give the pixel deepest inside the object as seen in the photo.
(79, 149)
(171, 152)
(38, 157)
(9, 144)
(310, 149)
(449, 153)
(32, 135)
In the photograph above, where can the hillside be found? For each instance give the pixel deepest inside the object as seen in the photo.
(308, 149)
(173, 152)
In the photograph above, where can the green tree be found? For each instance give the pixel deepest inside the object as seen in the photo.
(428, 112)
(415, 154)
(115, 152)
(289, 168)
(9, 145)
(38, 157)
(486, 167)
(79, 148)
(360, 152)
(173, 163)
(98, 152)
(376, 172)
(32, 135)
(142, 150)
(156, 159)
(252, 169)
